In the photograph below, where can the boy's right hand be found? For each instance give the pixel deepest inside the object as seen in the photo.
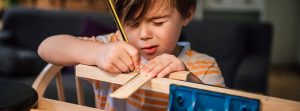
(117, 57)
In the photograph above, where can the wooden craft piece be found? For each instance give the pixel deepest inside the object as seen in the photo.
(162, 85)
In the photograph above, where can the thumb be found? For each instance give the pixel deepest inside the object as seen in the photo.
(134, 54)
(118, 36)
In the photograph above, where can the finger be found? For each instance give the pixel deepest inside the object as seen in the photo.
(148, 67)
(127, 60)
(166, 71)
(151, 64)
(121, 65)
(114, 70)
(134, 54)
(111, 68)
(158, 68)
(147, 70)
(118, 35)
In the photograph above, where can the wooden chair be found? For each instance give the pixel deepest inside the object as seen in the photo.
(41, 83)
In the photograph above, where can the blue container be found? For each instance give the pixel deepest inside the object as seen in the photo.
(184, 98)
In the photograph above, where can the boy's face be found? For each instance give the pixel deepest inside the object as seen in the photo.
(157, 32)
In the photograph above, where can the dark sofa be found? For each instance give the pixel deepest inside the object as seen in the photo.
(241, 49)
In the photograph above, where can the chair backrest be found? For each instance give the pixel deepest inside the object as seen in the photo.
(42, 82)
(51, 72)
(44, 78)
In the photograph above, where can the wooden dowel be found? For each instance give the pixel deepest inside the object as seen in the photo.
(80, 93)
(60, 87)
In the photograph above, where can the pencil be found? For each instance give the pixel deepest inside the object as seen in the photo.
(117, 20)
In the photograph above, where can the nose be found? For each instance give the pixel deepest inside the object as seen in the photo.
(145, 33)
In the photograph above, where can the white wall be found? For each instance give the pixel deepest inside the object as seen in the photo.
(284, 15)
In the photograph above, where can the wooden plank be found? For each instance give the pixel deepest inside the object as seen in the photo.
(125, 91)
(129, 88)
(162, 85)
(94, 73)
(54, 105)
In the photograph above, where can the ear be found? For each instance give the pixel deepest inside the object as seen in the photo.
(190, 16)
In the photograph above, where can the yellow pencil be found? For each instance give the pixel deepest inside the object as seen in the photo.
(117, 20)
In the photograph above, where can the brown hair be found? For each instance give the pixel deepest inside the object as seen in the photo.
(135, 10)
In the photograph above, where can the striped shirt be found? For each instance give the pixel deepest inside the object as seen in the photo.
(203, 66)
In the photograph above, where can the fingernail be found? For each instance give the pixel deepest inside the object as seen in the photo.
(159, 76)
(143, 74)
(152, 75)
(137, 69)
(131, 69)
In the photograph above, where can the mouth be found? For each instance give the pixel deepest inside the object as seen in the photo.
(150, 49)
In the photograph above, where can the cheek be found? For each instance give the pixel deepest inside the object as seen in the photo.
(169, 37)
(133, 41)
(132, 36)
(172, 32)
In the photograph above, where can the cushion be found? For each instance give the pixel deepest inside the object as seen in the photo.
(92, 28)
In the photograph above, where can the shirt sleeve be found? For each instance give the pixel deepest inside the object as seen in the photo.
(205, 68)
(213, 75)
(107, 38)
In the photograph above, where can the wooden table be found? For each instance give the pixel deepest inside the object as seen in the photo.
(55, 105)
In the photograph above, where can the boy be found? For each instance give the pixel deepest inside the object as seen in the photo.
(153, 28)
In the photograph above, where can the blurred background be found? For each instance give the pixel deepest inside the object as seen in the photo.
(274, 23)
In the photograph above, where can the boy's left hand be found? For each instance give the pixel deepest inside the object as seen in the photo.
(163, 65)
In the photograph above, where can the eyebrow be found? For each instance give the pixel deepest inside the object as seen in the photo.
(158, 17)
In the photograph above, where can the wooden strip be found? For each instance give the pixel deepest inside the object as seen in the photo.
(129, 88)
(80, 93)
(60, 87)
(93, 72)
(162, 85)
(45, 104)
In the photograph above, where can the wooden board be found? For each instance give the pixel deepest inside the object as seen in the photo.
(162, 85)
(130, 87)
(54, 105)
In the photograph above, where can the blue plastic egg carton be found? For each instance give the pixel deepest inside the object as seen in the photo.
(184, 98)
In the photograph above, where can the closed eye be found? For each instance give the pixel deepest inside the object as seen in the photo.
(158, 23)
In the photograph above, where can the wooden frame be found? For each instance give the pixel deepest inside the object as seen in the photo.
(157, 84)
(40, 85)
(162, 85)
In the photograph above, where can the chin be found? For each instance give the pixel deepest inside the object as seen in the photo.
(149, 57)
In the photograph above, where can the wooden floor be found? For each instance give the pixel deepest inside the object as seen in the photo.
(284, 82)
